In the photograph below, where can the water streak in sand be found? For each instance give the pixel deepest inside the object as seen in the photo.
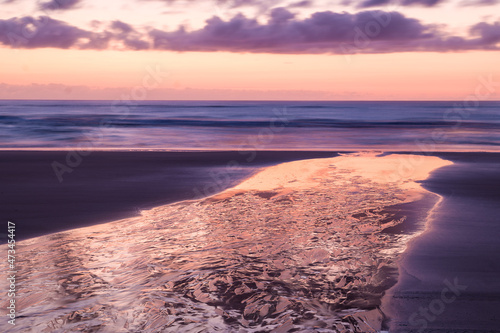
(297, 246)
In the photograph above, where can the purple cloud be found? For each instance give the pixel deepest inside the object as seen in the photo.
(320, 33)
(122, 26)
(374, 3)
(231, 3)
(301, 4)
(59, 4)
(28, 32)
(489, 34)
(249, 3)
(479, 3)
(264, 5)
(284, 32)
(324, 32)
(378, 3)
(426, 3)
(128, 35)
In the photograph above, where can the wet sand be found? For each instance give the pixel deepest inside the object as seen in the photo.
(298, 246)
(112, 185)
(261, 256)
(449, 278)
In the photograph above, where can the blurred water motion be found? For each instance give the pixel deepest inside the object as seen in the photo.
(249, 125)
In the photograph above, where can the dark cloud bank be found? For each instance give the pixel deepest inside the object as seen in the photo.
(266, 4)
(59, 4)
(322, 32)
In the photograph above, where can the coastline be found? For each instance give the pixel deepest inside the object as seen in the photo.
(343, 186)
(402, 150)
(108, 186)
(448, 277)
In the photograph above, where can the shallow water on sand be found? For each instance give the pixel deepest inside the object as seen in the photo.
(296, 259)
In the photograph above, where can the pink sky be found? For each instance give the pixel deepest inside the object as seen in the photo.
(277, 50)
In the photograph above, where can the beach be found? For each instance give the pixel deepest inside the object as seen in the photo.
(310, 244)
(449, 276)
(232, 166)
(109, 185)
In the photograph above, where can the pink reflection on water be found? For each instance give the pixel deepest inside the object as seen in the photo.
(309, 258)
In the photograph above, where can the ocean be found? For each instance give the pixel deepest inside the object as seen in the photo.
(250, 125)
(251, 216)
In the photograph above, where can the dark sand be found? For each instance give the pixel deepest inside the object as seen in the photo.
(461, 246)
(108, 186)
(297, 246)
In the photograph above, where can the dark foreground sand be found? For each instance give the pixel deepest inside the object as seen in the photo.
(107, 186)
(450, 275)
(298, 246)
(324, 265)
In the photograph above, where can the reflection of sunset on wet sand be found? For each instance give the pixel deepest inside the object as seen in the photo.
(299, 245)
(249, 166)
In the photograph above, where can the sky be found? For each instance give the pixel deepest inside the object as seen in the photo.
(249, 49)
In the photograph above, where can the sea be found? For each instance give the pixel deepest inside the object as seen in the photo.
(250, 125)
(122, 241)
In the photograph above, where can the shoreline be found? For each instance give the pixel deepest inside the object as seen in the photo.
(456, 249)
(331, 189)
(109, 186)
(112, 179)
(453, 184)
(384, 150)
(421, 226)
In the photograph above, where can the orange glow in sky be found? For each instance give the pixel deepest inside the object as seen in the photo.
(411, 76)
(72, 73)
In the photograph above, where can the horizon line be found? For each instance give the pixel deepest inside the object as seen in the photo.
(246, 100)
